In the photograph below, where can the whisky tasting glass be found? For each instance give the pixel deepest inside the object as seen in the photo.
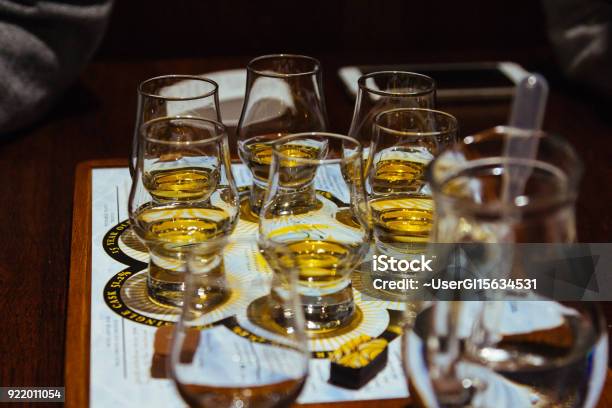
(174, 95)
(183, 193)
(315, 216)
(385, 90)
(468, 182)
(284, 94)
(561, 362)
(515, 349)
(214, 367)
(405, 141)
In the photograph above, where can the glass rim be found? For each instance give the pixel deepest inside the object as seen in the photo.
(178, 98)
(431, 88)
(536, 202)
(218, 126)
(315, 70)
(453, 120)
(358, 152)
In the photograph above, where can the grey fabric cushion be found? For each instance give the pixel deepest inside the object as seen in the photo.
(43, 46)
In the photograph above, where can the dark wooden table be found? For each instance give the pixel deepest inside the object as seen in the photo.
(94, 121)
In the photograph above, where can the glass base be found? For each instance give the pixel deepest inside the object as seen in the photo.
(165, 286)
(256, 198)
(328, 312)
(245, 211)
(323, 316)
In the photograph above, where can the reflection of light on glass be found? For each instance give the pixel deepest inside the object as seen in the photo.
(521, 201)
(272, 103)
(192, 91)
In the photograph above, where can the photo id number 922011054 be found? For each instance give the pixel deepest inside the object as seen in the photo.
(32, 394)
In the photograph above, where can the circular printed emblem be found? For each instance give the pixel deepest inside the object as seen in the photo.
(243, 311)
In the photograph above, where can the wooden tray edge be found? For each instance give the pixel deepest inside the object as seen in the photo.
(78, 322)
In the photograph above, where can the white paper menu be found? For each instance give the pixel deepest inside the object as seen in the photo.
(122, 329)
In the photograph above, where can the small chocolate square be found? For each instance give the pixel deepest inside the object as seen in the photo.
(163, 343)
(357, 361)
(162, 346)
(163, 340)
(158, 366)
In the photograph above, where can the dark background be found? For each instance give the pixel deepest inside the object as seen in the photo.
(338, 32)
(203, 36)
(398, 30)
(145, 38)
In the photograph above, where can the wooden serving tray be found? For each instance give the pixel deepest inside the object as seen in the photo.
(79, 299)
(77, 356)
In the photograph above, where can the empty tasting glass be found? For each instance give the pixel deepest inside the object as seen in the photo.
(559, 357)
(521, 349)
(170, 214)
(405, 141)
(174, 95)
(315, 216)
(385, 90)
(284, 94)
(213, 366)
(468, 183)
